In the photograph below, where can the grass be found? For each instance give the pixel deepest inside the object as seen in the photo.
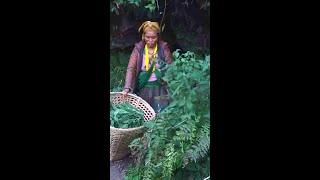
(118, 65)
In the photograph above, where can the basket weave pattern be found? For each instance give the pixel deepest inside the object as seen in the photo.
(119, 137)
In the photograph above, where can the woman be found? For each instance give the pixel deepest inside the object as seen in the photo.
(147, 66)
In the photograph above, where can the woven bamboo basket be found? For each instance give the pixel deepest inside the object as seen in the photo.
(120, 138)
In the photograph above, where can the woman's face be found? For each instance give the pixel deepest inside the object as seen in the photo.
(151, 38)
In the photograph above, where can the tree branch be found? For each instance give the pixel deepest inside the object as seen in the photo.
(164, 12)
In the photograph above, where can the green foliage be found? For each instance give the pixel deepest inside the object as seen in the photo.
(177, 140)
(199, 150)
(151, 6)
(132, 5)
(125, 115)
(194, 170)
(118, 67)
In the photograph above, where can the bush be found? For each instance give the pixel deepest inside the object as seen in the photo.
(176, 143)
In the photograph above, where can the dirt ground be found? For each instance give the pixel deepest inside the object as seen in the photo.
(118, 168)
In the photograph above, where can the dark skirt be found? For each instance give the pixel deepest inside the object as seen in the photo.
(155, 96)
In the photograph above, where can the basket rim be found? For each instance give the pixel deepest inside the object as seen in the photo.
(133, 95)
(134, 128)
(127, 129)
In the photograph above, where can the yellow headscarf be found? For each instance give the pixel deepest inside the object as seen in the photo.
(149, 25)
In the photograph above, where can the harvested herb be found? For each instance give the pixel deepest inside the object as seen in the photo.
(125, 115)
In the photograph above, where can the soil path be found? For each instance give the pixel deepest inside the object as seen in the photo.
(118, 168)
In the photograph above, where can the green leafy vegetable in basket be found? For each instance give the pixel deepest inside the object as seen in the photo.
(125, 115)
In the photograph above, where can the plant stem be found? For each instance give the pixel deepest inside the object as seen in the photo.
(164, 12)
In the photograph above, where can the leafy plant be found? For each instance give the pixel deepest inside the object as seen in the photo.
(177, 140)
(125, 115)
(151, 6)
(116, 5)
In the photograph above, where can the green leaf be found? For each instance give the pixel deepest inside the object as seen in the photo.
(151, 7)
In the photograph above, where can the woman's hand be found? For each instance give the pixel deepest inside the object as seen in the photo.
(126, 91)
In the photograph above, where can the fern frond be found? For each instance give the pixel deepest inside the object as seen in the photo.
(199, 150)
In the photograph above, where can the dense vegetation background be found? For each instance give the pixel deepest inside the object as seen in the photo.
(185, 25)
